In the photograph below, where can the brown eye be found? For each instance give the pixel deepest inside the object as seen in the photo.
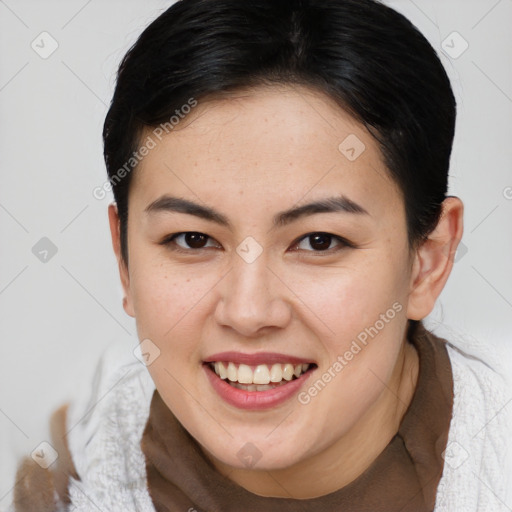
(188, 241)
(321, 242)
(195, 240)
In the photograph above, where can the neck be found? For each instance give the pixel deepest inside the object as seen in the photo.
(346, 459)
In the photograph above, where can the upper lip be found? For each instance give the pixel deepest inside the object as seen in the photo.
(256, 358)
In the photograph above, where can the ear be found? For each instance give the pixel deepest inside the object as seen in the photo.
(433, 260)
(115, 232)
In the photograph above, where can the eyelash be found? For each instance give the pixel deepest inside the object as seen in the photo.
(169, 241)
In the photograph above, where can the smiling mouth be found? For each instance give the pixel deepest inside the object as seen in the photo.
(262, 377)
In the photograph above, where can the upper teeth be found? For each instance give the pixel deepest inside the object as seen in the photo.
(262, 374)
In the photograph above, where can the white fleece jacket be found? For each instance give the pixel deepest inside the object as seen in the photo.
(107, 425)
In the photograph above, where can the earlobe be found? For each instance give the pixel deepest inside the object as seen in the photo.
(433, 261)
(115, 233)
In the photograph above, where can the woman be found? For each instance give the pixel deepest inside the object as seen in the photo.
(282, 226)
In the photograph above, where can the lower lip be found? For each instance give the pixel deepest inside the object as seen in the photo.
(255, 400)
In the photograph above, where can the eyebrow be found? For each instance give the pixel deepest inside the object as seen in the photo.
(340, 203)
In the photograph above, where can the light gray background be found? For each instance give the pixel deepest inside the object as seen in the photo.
(57, 317)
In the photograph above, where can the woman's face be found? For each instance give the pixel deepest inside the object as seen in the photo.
(264, 282)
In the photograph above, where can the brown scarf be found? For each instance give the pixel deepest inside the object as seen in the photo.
(404, 477)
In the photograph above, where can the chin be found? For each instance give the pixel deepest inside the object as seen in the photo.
(258, 452)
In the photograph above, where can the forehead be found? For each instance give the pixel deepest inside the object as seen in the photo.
(271, 146)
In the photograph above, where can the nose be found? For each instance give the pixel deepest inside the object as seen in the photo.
(252, 299)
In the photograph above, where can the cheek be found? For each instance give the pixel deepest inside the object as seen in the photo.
(159, 303)
(170, 308)
(165, 299)
(343, 303)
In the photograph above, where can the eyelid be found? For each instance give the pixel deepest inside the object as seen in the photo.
(170, 239)
(343, 241)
